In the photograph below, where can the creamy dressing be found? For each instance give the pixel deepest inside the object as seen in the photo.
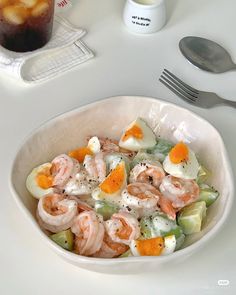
(81, 184)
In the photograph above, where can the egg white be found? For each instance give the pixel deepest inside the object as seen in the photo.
(186, 170)
(114, 198)
(133, 248)
(169, 245)
(135, 144)
(32, 185)
(113, 159)
(94, 144)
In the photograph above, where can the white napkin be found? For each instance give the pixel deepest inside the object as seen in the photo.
(64, 51)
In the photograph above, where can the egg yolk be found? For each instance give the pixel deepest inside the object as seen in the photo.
(44, 181)
(179, 153)
(80, 153)
(150, 247)
(134, 131)
(114, 180)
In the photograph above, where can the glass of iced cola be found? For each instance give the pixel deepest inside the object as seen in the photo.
(25, 25)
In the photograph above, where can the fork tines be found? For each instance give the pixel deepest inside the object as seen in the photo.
(178, 86)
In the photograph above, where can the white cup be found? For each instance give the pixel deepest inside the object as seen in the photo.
(144, 16)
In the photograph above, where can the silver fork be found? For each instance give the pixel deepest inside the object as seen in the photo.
(191, 95)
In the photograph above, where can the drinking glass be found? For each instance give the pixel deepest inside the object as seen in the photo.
(25, 25)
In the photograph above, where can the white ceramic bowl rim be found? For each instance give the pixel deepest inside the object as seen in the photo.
(109, 261)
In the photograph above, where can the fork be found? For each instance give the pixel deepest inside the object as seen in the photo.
(191, 95)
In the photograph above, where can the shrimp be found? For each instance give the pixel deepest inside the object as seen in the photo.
(145, 199)
(81, 205)
(112, 146)
(110, 249)
(180, 192)
(80, 184)
(63, 167)
(146, 172)
(166, 207)
(89, 230)
(122, 228)
(109, 145)
(141, 197)
(95, 166)
(56, 213)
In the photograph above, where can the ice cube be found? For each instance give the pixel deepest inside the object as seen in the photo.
(4, 3)
(40, 9)
(15, 14)
(29, 3)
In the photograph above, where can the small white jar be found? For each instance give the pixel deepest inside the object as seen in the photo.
(145, 16)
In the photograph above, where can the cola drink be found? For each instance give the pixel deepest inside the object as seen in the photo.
(25, 25)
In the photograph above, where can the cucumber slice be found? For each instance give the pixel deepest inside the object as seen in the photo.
(105, 209)
(203, 175)
(177, 232)
(65, 239)
(208, 194)
(190, 217)
(179, 242)
(161, 149)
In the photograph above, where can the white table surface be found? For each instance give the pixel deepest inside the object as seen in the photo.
(124, 64)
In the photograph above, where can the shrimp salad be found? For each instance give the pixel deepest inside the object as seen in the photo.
(139, 196)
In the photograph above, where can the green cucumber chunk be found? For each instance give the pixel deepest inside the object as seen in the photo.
(105, 209)
(208, 194)
(190, 217)
(65, 239)
(179, 242)
(142, 156)
(161, 149)
(203, 175)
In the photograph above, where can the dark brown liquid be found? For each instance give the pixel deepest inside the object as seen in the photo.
(34, 33)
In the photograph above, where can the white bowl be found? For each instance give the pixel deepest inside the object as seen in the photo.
(107, 118)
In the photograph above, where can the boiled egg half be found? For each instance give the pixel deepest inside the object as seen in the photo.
(153, 247)
(92, 148)
(181, 162)
(138, 135)
(39, 181)
(111, 187)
